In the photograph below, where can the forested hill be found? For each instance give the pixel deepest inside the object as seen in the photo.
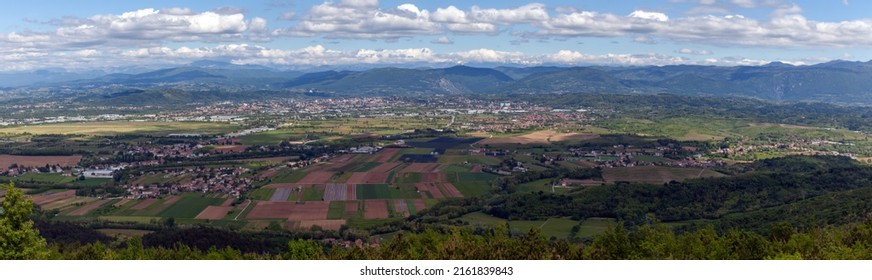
(837, 81)
(807, 192)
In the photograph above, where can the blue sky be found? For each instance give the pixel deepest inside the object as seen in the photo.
(107, 35)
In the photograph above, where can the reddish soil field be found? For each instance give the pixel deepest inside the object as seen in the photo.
(143, 204)
(229, 149)
(384, 167)
(450, 190)
(401, 207)
(386, 154)
(475, 168)
(316, 177)
(271, 210)
(430, 188)
(167, 202)
(324, 224)
(352, 192)
(243, 205)
(311, 210)
(434, 177)
(121, 202)
(214, 212)
(351, 208)
(228, 202)
(341, 161)
(421, 167)
(419, 204)
(89, 207)
(376, 178)
(357, 178)
(38, 161)
(375, 209)
(268, 173)
(41, 199)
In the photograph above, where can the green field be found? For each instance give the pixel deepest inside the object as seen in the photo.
(190, 205)
(41, 178)
(655, 174)
(471, 184)
(313, 194)
(336, 210)
(556, 227)
(261, 193)
(123, 127)
(134, 219)
(273, 137)
(364, 167)
(379, 191)
(288, 176)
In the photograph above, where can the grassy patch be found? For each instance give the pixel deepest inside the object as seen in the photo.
(313, 194)
(288, 176)
(123, 127)
(190, 205)
(261, 193)
(336, 210)
(135, 219)
(375, 191)
(364, 167)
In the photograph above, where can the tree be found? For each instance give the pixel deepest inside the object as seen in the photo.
(18, 239)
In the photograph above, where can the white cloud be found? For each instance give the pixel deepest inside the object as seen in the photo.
(694, 52)
(442, 40)
(649, 15)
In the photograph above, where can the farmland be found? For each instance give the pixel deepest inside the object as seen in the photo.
(121, 127)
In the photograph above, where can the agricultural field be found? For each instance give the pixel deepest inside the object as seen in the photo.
(556, 227)
(38, 161)
(656, 174)
(122, 127)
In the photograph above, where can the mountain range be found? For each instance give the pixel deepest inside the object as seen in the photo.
(835, 81)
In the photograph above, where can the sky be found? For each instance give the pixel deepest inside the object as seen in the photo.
(114, 35)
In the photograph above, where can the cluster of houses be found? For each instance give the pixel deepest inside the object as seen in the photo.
(226, 180)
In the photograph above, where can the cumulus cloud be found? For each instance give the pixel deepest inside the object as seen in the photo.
(694, 52)
(442, 40)
(363, 19)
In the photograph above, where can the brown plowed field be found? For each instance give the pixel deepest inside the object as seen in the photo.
(419, 204)
(143, 204)
(41, 199)
(375, 209)
(351, 208)
(316, 177)
(384, 167)
(341, 162)
(430, 188)
(230, 149)
(475, 168)
(357, 178)
(352, 192)
(271, 210)
(311, 210)
(376, 178)
(228, 202)
(38, 161)
(450, 190)
(421, 167)
(324, 224)
(386, 154)
(121, 202)
(434, 177)
(214, 212)
(89, 207)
